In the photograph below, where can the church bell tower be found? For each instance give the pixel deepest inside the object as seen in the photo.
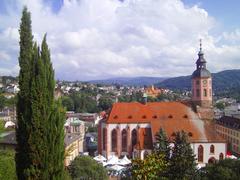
(201, 83)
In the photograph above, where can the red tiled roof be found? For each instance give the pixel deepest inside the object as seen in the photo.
(171, 116)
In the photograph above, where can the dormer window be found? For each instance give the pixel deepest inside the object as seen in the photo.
(154, 117)
(129, 117)
(144, 116)
(115, 117)
(185, 116)
(170, 116)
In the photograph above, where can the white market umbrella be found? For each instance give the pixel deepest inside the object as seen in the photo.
(9, 124)
(116, 168)
(67, 123)
(113, 160)
(104, 163)
(232, 157)
(199, 166)
(100, 158)
(124, 161)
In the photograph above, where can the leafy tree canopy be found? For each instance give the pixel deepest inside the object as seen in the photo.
(83, 102)
(105, 103)
(220, 105)
(68, 103)
(1, 126)
(151, 168)
(84, 167)
(7, 165)
(227, 169)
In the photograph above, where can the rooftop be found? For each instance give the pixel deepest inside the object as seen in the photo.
(171, 116)
(230, 122)
(10, 138)
(70, 138)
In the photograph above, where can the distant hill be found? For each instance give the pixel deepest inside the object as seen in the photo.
(8, 79)
(135, 81)
(181, 82)
(222, 81)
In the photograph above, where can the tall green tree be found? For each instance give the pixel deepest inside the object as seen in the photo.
(24, 102)
(182, 162)
(40, 133)
(162, 143)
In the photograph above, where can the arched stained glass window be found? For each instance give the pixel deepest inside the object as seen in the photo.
(114, 140)
(124, 140)
(200, 153)
(221, 156)
(212, 149)
(104, 138)
(134, 137)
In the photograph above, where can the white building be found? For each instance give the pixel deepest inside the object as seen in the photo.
(130, 129)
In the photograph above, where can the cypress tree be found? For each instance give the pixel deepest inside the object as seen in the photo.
(43, 133)
(54, 121)
(182, 162)
(23, 103)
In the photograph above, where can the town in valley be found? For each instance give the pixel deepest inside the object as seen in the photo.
(119, 98)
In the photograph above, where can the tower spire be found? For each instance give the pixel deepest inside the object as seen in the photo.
(201, 62)
(200, 49)
(200, 40)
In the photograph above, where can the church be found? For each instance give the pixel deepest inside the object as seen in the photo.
(130, 128)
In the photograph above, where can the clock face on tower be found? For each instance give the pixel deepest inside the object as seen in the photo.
(204, 82)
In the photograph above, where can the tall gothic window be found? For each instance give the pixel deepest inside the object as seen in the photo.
(198, 92)
(114, 140)
(124, 140)
(205, 92)
(104, 138)
(200, 153)
(221, 156)
(134, 137)
(212, 149)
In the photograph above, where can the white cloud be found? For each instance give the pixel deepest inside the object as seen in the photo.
(232, 36)
(92, 39)
(4, 56)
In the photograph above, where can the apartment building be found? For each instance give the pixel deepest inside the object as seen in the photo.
(229, 128)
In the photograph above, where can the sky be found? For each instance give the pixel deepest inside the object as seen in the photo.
(99, 39)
